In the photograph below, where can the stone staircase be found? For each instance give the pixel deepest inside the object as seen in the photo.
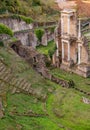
(9, 82)
(21, 85)
(8, 79)
(5, 76)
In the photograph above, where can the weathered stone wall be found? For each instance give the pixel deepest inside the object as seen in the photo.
(20, 28)
(23, 37)
(24, 32)
(16, 24)
(48, 36)
(84, 55)
(74, 52)
(4, 37)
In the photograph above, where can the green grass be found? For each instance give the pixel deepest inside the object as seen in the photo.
(5, 30)
(28, 20)
(23, 103)
(45, 49)
(67, 109)
(63, 106)
(80, 82)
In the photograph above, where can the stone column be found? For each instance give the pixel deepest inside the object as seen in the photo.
(68, 51)
(79, 55)
(62, 50)
(68, 25)
(79, 30)
(62, 26)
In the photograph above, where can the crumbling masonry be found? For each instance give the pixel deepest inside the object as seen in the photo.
(73, 52)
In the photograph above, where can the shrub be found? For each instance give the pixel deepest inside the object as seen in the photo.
(36, 3)
(39, 33)
(26, 19)
(1, 43)
(51, 52)
(5, 30)
(21, 17)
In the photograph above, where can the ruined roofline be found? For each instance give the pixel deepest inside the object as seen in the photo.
(68, 11)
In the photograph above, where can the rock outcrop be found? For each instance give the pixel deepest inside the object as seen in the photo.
(33, 57)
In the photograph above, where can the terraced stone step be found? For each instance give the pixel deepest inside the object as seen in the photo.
(18, 83)
(25, 86)
(2, 70)
(14, 90)
(14, 81)
(27, 89)
(22, 82)
(8, 77)
(5, 74)
(1, 63)
(2, 86)
(30, 91)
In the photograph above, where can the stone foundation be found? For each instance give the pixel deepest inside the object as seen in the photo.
(82, 70)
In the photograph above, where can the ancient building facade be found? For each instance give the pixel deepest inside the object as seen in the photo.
(73, 49)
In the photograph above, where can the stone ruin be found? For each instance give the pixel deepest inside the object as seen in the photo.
(73, 52)
(86, 100)
(37, 61)
(25, 32)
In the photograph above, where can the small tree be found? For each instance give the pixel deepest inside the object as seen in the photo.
(39, 33)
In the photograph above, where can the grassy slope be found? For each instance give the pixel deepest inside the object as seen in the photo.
(80, 82)
(64, 106)
(23, 103)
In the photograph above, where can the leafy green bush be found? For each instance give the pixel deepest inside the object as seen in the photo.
(52, 51)
(39, 33)
(36, 3)
(1, 43)
(5, 30)
(26, 19)
(21, 17)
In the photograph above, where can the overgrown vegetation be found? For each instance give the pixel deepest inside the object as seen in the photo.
(47, 50)
(63, 109)
(37, 9)
(5, 30)
(39, 33)
(1, 44)
(28, 20)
